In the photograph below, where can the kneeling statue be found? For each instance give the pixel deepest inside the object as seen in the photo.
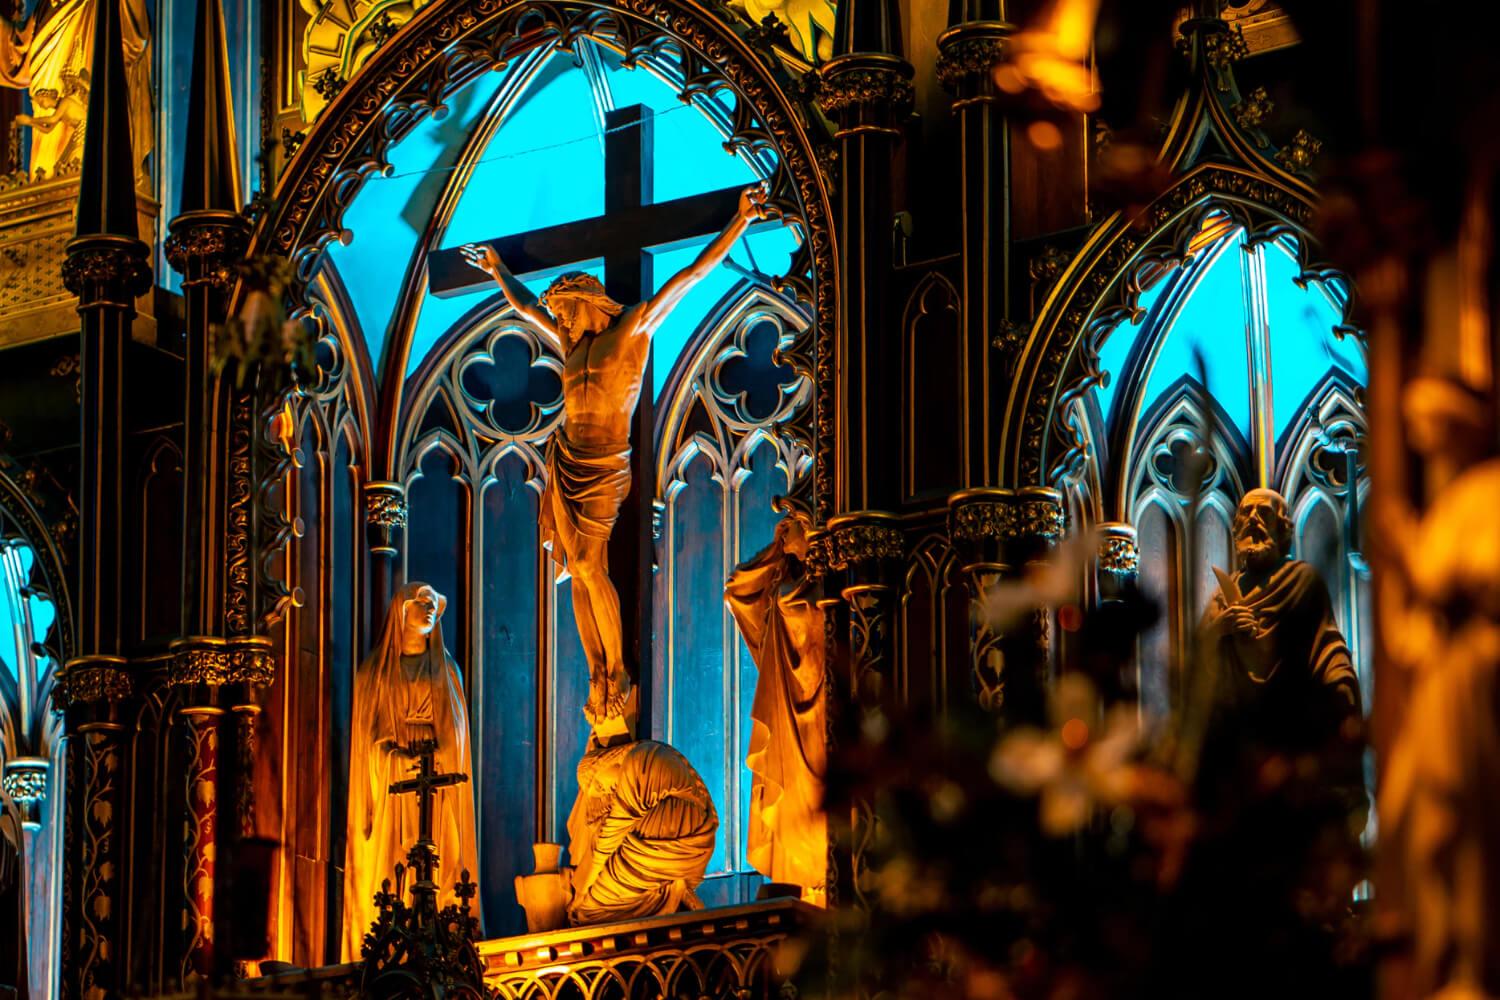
(641, 833)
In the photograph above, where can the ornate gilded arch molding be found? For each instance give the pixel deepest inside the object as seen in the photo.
(1228, 173)
(450, 42)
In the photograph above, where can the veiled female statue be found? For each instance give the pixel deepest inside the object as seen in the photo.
(774, 600)
(409, 689)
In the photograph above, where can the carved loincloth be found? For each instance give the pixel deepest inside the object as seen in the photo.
(585, 487)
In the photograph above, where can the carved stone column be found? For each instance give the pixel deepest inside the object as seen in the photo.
(968, 51)
(385, 533)
(999, 534)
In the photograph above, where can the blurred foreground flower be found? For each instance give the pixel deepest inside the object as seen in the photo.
(1082, 761)
(259, 334)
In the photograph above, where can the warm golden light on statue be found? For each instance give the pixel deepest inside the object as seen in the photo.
(774, 600)
(50, 59)
(408, 690)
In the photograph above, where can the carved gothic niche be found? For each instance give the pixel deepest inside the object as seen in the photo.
(448, 43)
(1226, 178)
(932, 356)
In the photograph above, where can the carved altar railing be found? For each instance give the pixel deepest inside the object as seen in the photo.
(720, 953)
(727, 952)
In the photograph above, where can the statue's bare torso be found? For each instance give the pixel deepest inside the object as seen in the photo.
(601, 380)
(604, 350)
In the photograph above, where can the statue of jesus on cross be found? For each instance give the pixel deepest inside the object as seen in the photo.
(605, 346)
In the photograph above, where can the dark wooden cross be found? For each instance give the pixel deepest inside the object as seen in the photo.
(425, 784)
(631, 222)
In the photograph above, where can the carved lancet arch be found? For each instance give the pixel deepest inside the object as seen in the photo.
(1225, 174)
(447, 44)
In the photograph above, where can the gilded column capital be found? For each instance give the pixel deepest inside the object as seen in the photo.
(385, 505)
(385, 517)
(25, 781)
(966, 56)
(866, 92)
(215, 661)
(93, 679)
(1032, 514)
(860, 542)
(106, 268)
(205, 242)
(1119, 552)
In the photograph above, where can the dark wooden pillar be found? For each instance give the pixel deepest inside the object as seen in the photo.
(106, 267)
(968, 51)
(866, 89)
(218, 661)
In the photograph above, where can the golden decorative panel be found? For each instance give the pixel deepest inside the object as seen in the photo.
(36, 222)
(340, 37)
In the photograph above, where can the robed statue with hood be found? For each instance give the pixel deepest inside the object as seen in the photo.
(407, 690)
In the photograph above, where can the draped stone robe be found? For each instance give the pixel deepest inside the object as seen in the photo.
(45, 54)
(641, 833)
(1295, 683)
(398, 699)
(772, 599)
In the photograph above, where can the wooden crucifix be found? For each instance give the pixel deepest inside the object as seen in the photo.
(600, 464)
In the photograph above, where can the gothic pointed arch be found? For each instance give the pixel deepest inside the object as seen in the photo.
(448, 44)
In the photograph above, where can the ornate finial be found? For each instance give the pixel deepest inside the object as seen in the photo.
(329, 84)
(106, 203)
(1253, 111)
(1298, 156)
(210, 168)
(419, 950)
(865, 27)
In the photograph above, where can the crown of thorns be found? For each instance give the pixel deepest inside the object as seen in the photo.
(580, 285)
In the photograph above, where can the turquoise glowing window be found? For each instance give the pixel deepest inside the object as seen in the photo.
(1264, 340)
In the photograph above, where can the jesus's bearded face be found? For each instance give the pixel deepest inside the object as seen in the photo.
(1262, 530)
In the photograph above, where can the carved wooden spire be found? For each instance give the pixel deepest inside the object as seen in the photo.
(106, 202)
(210, 168)
(868, 26)
(968, 11)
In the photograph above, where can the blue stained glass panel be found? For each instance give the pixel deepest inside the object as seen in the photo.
(1303, 346)
(1114, 355)
(438, 314)
(544, 166)
(767, 249)
(1211, 322)
(504, 717)
(10, 626)
(696, 707)
(391, 213)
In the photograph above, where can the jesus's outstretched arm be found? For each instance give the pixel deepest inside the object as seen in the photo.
(484, 257)
(752, 208)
